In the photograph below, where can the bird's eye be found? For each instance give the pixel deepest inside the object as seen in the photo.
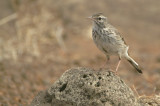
(99, 18)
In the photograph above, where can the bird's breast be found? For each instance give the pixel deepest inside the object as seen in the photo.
(104, 41)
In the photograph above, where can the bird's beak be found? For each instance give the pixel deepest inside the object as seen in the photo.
(90, 18)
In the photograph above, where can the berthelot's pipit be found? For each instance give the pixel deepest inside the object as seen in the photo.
(109, 40)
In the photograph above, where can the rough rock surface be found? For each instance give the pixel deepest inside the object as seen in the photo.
(149, 100)
(87, 87)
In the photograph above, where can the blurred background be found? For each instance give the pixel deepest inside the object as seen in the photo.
(41, 39)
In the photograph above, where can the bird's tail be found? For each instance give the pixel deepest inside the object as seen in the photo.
(134, 64)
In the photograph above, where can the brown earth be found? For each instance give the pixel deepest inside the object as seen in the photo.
(31, 57)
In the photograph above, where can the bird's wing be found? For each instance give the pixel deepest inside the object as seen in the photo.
(112, 32)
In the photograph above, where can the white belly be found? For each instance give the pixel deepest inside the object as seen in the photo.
(106, 47)
(108, 44)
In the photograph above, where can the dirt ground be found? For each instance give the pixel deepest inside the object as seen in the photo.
(32, 57)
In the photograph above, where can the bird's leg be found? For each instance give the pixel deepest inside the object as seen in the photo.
(107, 61)
(118, 64)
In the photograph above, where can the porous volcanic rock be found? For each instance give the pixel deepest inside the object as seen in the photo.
(87, 87)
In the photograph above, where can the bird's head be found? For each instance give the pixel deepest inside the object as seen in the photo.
(99, 19)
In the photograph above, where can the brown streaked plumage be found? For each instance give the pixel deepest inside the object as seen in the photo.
(109, 40)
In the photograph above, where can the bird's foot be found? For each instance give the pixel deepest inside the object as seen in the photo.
(115, 72)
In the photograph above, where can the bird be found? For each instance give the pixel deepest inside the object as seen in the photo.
(109, 40)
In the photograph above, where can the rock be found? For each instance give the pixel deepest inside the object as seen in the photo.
(87, 87)
(149, 100)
